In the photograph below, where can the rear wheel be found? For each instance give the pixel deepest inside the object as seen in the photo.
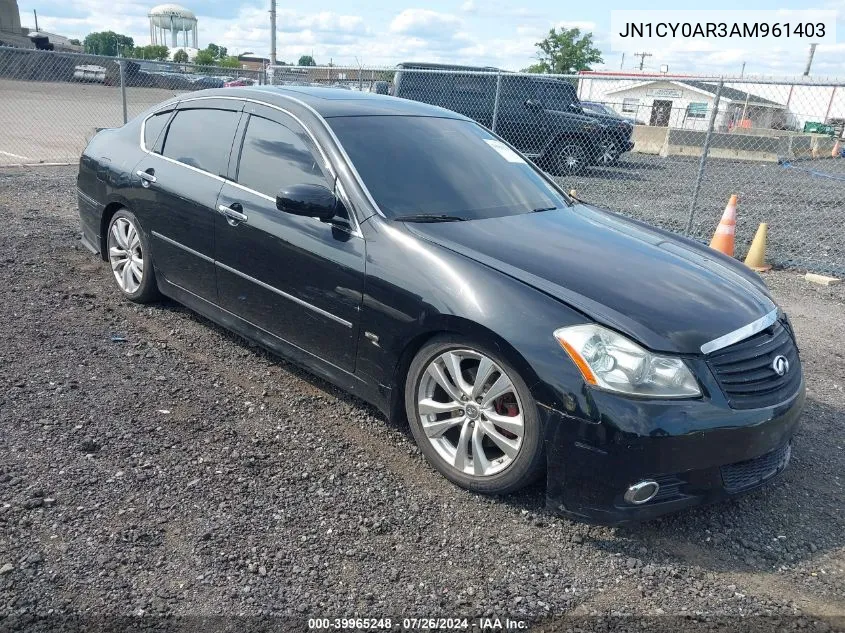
(129, 257)
(608, 152)
(570, 158)
(473, 416)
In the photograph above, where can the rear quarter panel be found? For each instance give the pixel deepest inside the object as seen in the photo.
(104, 180)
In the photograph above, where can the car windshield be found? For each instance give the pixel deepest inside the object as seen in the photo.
(441, 167)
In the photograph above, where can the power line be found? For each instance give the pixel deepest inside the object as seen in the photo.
(642, 57)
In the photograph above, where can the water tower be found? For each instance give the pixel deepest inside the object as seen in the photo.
(176, 20)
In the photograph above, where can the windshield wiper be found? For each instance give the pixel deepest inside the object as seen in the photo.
(429, 217)
(543, 209)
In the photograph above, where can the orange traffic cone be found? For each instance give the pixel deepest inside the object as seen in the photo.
(836, 152)
(723, 238)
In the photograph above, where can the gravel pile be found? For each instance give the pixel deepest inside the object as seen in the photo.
(154, 464)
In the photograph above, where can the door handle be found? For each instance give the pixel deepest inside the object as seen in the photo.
(233, 216)
(146, 177)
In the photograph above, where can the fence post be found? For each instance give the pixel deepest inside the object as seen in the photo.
(123, 89)
(496, 99)
(704, 151)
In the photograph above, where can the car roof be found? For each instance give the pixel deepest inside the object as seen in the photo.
(333, 102)
(433, 66)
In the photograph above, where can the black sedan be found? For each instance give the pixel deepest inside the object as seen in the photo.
(412, 257)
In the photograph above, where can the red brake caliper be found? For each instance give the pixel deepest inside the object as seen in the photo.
(506, 405)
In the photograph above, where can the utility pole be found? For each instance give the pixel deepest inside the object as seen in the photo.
(810, 59)
(622, 63)
(642, 57)
(742, 72)
(35, 13)
(273, 32)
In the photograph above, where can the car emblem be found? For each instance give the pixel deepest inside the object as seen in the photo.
(780, 365)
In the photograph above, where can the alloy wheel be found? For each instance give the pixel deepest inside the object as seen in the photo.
(126, 255)
(571, 158)
(608, 152)
(470, 412)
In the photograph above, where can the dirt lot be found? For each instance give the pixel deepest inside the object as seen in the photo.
(52, 122)
(185, 472)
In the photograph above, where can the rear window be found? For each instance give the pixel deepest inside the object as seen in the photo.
(427, 165)
(202, 138)
(153, 127)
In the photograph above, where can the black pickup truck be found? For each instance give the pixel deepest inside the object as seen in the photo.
(539, 115)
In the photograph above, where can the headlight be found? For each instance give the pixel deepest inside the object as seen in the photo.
(611, 361)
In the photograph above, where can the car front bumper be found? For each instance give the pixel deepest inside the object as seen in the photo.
(698, 451)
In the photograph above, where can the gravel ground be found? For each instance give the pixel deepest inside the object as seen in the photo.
(802, 202)
(185, 472)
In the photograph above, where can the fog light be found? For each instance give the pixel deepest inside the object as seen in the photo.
(642, 492)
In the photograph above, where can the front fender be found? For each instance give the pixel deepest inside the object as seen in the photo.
(402, 308)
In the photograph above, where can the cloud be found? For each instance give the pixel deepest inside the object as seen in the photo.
(585, 27)
(425, 23)
(325, 21)
(477, 33)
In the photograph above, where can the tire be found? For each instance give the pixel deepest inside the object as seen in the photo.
(608, 152)
(128, 254)
(569, 158)
(506, 428)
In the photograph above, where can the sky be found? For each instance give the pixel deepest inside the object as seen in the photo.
(484, 32)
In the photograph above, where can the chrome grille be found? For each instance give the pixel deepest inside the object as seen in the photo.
(745, 370)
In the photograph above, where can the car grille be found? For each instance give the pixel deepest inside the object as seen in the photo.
(745, 373)
(747, 474)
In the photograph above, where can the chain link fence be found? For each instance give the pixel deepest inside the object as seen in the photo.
(669, 150)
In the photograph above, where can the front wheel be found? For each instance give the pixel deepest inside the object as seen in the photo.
(473, 416)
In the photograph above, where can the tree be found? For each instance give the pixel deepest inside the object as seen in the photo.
(566, 52)
(213, 55)
(158, 53)
(229, 62)
(306, 60)
(180, 56)
(218, 52)
(75, 42)
(107, 43)
(204, 58)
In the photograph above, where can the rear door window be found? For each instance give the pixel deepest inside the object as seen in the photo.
(556, 95)
(202, 138)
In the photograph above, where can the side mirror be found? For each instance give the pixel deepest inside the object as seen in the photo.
(312, 201)
(531, 104)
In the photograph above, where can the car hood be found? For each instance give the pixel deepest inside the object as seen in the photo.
(668, 293)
